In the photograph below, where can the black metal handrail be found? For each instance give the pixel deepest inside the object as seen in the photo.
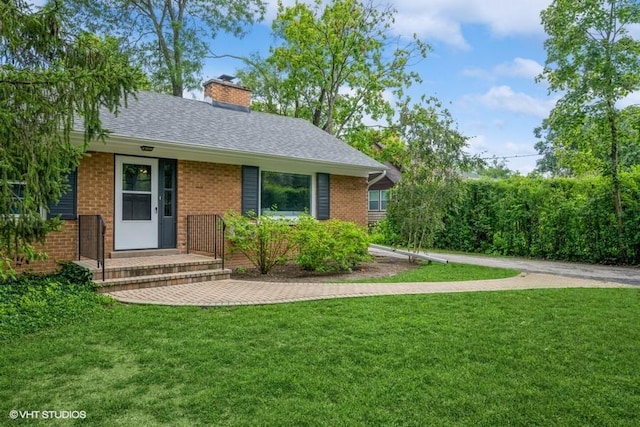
(206, 233)
(91, 231)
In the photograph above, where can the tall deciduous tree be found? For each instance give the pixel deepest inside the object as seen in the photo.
(582, 150)
(335, 64)
(384, 145)
(594, 61)
(432, 172)
(169, 38)
(47, 76)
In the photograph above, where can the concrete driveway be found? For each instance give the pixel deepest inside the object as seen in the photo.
(628, 275)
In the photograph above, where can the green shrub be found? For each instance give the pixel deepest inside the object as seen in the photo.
(351, 244)
(30, 302)
(314, 244)
(384, 232)
(332, 245)
(265, 240)
(73, 273)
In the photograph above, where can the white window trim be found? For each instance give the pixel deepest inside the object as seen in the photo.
(379, 192)
(312, 202)
(43, 211)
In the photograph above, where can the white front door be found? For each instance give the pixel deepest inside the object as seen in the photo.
(136, 216)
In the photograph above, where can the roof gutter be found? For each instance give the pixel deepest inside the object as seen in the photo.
(377, 178)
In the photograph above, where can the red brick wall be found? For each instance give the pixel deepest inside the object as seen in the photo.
(95, 196)
(206, 188)
(349, 199)
(96, 183)
(59, 246)
(202, 188)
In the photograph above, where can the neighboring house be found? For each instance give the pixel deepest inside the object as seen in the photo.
(168, 158)
(380, 185)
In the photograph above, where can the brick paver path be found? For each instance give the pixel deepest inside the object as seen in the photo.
(236, 292)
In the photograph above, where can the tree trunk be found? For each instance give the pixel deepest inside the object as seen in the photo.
(615, 179)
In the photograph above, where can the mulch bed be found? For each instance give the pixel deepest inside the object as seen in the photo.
(380, 267)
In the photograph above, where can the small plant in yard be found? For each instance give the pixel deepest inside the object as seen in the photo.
(332, 245)
(241, 270)
(264, 240)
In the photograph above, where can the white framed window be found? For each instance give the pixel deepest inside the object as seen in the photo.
(285, 194)
(17, 190)
(384, 199)
(374, 200)
(378, 200)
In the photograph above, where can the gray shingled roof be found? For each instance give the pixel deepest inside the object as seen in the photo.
(166, 118)
(393, 172)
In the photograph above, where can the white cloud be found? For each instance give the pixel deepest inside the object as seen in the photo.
(499, 123)
(443, 19)
(634, 30)
(631, 99)
(520, 67)
(478, 73)
(517, 155)
(430, 26)
(478, 144)
(504, 98)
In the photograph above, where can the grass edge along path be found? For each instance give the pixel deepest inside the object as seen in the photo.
(539, 357)
(450, 272)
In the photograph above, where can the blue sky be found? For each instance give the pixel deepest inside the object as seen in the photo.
(486, 54)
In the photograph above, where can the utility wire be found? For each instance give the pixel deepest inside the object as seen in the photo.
(510, 157)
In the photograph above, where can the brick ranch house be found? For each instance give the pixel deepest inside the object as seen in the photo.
(168, 158)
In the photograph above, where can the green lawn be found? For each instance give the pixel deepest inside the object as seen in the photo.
(540, 357)
(451, 272)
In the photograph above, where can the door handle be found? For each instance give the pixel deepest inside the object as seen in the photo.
(156, 210)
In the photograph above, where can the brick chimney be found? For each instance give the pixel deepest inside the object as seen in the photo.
(224, 93)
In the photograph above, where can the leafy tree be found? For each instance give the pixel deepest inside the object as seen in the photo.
(583, 150)
(496, 169)
(432, 172)
(170, 39)
(569, 153)
(47, 77)
(334, 65)
(594, 62)
(384, 145)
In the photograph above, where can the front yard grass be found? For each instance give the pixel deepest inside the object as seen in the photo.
(450, 272)
(538, 357)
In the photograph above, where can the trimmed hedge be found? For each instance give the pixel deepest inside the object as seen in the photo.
(561, 218)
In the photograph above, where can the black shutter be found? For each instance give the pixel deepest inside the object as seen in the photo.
(323, 199)
(68, 203)
(250, 189)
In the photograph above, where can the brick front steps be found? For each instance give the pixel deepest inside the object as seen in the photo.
(153, 271)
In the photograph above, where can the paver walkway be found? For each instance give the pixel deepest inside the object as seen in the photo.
(237, 292)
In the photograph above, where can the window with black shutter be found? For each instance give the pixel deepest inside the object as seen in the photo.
(67, 206)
